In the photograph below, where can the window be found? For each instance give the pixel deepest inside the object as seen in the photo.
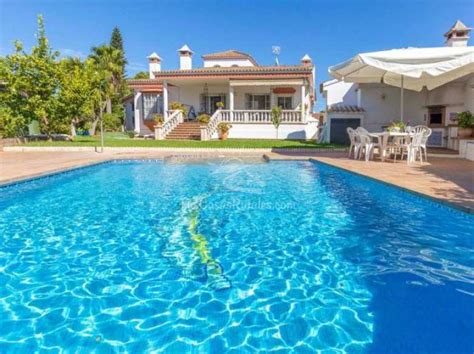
(285, 102)
(257, 102)
(435, 116)
(208, 102)
(152, 104)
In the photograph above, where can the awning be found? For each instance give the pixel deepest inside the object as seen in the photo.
(419, 67)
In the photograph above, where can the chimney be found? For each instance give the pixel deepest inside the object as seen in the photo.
(154, 64)
(185, 58)
(458, 35)
(306, 60)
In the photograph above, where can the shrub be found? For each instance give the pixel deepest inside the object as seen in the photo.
(224, 127)
(11, 126)
(158, 118)
(465, 119)
(112, 122)
(204, 118)
(130, 133)
(179, 106)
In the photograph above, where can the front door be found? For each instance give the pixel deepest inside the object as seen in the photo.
(213, 100)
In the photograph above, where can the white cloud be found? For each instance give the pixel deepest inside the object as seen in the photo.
(134, 67)
(66, 52)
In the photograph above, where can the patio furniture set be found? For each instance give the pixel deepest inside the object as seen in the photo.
(410, 143)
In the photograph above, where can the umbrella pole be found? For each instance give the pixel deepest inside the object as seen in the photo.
(401, 101)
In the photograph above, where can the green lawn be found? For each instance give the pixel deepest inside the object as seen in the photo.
(122, 140)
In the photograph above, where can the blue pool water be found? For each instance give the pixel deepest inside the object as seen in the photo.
(231, 256)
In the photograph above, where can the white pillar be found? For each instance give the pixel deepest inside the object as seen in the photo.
(359, 97)
(272, 98)
(401, 100)
(137, 111)
(231, 102)
(165, 100)
(303, 96)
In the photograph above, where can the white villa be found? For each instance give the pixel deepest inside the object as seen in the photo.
(247, 90)
(375, 105)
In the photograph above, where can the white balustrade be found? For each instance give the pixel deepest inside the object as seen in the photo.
(259, 116)
(174, 118)
(210, 128)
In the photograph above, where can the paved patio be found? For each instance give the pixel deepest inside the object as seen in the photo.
(448, 180)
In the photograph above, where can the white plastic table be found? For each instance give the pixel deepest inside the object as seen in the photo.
(383, 138)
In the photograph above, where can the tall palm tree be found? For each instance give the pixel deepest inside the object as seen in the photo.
(109, 62)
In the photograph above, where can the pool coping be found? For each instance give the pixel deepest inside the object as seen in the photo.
(19, 180)
(24, 148)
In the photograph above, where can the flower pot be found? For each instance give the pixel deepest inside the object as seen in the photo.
(464, 132)
(223, 136)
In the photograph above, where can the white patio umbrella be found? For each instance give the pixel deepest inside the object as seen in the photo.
(410, 68)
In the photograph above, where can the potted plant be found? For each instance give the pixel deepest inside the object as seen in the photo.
(465, 124)
(179, 106)
(203, 118)
(396, 126)
(276, 118)
(159, 120)
(223, 129)
(220, 105)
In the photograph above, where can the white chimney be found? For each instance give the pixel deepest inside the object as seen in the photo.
(306, 60)
(458, 35)
(154, 64)
(185, 58)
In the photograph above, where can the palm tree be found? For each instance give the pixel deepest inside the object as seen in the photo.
(108, 63)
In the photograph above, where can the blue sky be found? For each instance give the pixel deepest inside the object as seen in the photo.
(329, 31)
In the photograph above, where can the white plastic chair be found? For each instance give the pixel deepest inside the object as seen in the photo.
(413, 149)
(367, 145)
(424, 139)
(355, 143)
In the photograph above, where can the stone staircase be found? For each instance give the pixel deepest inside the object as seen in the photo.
(185, 131)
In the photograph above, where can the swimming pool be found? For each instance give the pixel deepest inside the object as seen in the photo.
(231, 256)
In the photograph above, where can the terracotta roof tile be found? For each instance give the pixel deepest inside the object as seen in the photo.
(146, 85)
(345, 109)
(237, 71)
(229, 54)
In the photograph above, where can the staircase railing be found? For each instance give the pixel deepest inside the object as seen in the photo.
(210, 128)
(174, 118)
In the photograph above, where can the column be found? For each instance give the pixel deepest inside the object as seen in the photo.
(136, 113)
(359, 97)
(231, 102)
(272, 98)
(165, 100)
(303, 96)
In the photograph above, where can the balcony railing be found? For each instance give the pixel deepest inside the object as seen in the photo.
(259, 116)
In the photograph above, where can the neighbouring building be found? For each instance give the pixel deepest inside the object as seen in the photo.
(247, 90)
(375, 106)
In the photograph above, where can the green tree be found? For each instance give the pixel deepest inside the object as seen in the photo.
(108, 65)
(141, 75)
(79, 97)
(116, 42)
(31, 85)
(276, 118)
